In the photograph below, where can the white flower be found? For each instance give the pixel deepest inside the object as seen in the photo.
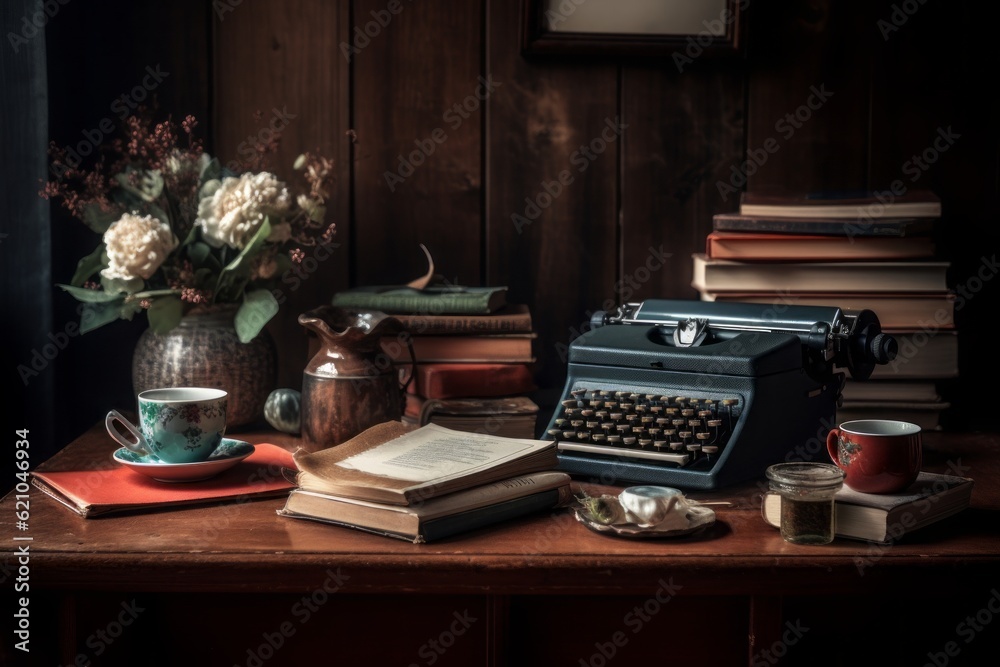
(236, 210)
(136, 246)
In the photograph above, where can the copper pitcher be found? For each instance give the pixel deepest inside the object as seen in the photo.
(350, 383)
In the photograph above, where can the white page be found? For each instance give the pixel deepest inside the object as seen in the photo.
(436, 453)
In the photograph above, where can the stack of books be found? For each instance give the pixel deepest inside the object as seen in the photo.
(473, 352)
(874, 253)
(426, 483)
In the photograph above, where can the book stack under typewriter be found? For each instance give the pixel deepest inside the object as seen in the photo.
(474, 355)
(874, 253)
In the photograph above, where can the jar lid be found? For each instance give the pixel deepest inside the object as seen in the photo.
(810, 475)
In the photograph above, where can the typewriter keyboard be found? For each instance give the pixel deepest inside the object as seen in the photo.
(676, 430)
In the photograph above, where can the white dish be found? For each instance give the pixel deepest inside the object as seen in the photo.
(226, 455)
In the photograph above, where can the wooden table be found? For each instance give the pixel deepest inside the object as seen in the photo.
(237, 584)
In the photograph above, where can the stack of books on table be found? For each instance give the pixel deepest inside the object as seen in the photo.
(875, 253)
(426, 483)
(473, 351)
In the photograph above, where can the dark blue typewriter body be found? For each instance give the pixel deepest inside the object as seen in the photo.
(640, 406)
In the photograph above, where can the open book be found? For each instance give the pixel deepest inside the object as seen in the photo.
(441, 517)
(401, 464)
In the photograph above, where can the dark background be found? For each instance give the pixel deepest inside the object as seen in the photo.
(656, 187)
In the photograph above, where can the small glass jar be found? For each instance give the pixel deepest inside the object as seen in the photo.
(807, 503)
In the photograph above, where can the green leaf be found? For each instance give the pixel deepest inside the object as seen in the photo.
(200, 253)
(164, 314)
(96, 315)
(242, 261)
(158, 213)
(257, 309)
(88, 266)
(91, 295)
(211, 169)
(99, 219)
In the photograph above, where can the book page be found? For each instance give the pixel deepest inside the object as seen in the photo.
(437, 453)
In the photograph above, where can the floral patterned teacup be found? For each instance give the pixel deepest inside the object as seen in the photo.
(176, 425)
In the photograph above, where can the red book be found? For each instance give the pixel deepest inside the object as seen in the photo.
(768, 247)
(444, 380)
(94, 492)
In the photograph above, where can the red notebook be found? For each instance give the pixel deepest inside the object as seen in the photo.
(458, 380)
(93, 492)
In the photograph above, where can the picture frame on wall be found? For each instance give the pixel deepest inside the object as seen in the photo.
(682, 30)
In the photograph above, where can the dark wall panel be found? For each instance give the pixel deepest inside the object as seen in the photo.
(283, 61)
(409, 75)
(552, 210)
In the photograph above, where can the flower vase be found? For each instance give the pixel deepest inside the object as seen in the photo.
(204, 350)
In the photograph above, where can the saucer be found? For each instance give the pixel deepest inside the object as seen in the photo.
(226, 455)
(698, 518)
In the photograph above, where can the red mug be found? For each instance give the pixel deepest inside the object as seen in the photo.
(876, 455)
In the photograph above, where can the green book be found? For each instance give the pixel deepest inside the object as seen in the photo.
(430, 300)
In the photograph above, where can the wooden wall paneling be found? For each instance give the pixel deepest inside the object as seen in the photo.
(417, 105)
(554, 243)
(933, 127)
(808, 106)
(684, 138)
(283, 60)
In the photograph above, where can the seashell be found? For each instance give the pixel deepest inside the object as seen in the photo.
(659, 506)
(283, 410)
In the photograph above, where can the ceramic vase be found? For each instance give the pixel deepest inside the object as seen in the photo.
(205, 351)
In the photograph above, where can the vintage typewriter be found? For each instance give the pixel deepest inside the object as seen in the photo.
(700, 395)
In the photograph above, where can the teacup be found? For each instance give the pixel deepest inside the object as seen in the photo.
(176, 425)
(877, 455)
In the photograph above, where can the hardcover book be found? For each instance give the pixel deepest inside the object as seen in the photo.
(91, 493)
(482, 348)
(849, 228)
(512, 318)
(437, 518)
(754, 246)
(895, 311)
(869, 206)
(885, 518)
(508, 416)
(859, 277)
(463, 380)
(428, 300)
(400, 464)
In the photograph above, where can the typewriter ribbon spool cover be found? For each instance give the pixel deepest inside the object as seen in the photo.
(702, 395)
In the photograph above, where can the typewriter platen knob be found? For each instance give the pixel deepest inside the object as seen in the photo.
(868, 346)
(884, 348)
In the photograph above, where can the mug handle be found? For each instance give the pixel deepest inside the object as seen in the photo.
(139, 446)
(831, 446)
